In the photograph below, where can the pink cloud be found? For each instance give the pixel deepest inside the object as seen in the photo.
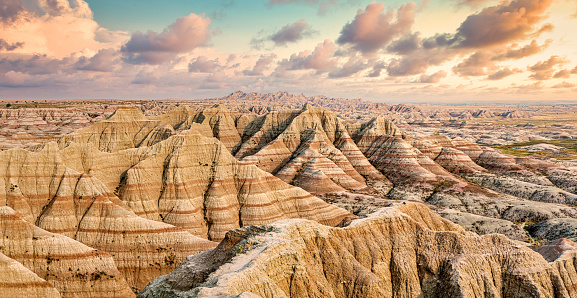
(321, 59)
(433, 78)
(503, 23)
(203, 65)
(261, 65)
(544, 70)
(104, 61)
(502, 73)
(372, 29)
(292, 33)
(184, 35)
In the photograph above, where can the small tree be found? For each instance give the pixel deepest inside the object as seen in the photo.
(8, 105)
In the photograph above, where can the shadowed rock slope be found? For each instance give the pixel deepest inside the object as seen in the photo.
(147, 206)
(193, 182)
(310, 148)
(19, 281)
(69, 266)
(401, 251)
(60, 200)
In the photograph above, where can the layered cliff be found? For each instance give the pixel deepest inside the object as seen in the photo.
(391, 253)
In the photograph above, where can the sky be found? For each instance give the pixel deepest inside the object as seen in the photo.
(424, 51)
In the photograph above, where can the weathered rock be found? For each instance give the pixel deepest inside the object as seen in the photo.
(484, 225)
(311, 141)
(388, 254)
(61, 200)
(71, 267)
(554, 229)
(18, 281)
(554, 249)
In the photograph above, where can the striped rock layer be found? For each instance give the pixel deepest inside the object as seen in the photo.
(61, 200)
(144, 191)
(191, 181)
(58, 262)
(18, 281)
(305, 146)
(402, 251)
(272, 142)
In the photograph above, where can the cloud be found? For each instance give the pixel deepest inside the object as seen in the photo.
(184, 35)
(351, 67)
(217, 80)
(292, 33)
(15, 79)
(503, 23)
(475, 65)
(10, 9)
(563, 73)
(260, 66)
(502, 73)
(544, 70)
(54, 27)
(202, 64)
(372, 29)
(564, 85)
(321, 59)
(36, 64)
(103, 61)
(376, 70)
(4, 45)
(433, 78)
(405, 45)
(525, 51)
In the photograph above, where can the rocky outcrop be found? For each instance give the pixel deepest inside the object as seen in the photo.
(125, 128)
(19, 281)
(554, 249)
(554, 229)
(60, 200)
(484, 225)
(309, 147)
(193, 182)
(390, 253)
(71, 267)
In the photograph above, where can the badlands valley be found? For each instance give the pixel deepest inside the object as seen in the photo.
(282, 195)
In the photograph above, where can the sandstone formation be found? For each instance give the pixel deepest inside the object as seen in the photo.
(60, 200)
(554, 229)
(131, 182)
(193, 182)
(553, 250)
(310, 148)
(19, 281)
(392, 253)
(484, 225)
(69, 266)
(155, 181)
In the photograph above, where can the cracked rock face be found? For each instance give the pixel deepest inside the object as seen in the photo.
(401, 251)
(146, 194)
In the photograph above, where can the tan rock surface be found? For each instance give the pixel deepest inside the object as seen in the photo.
(18, 281)
(73, 268)
(388, 254)
(61, 200)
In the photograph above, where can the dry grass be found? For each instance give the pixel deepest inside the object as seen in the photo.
(550, 118)
(569, 144)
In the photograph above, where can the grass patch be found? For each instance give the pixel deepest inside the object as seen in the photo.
(569, 144)
(549, 119)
